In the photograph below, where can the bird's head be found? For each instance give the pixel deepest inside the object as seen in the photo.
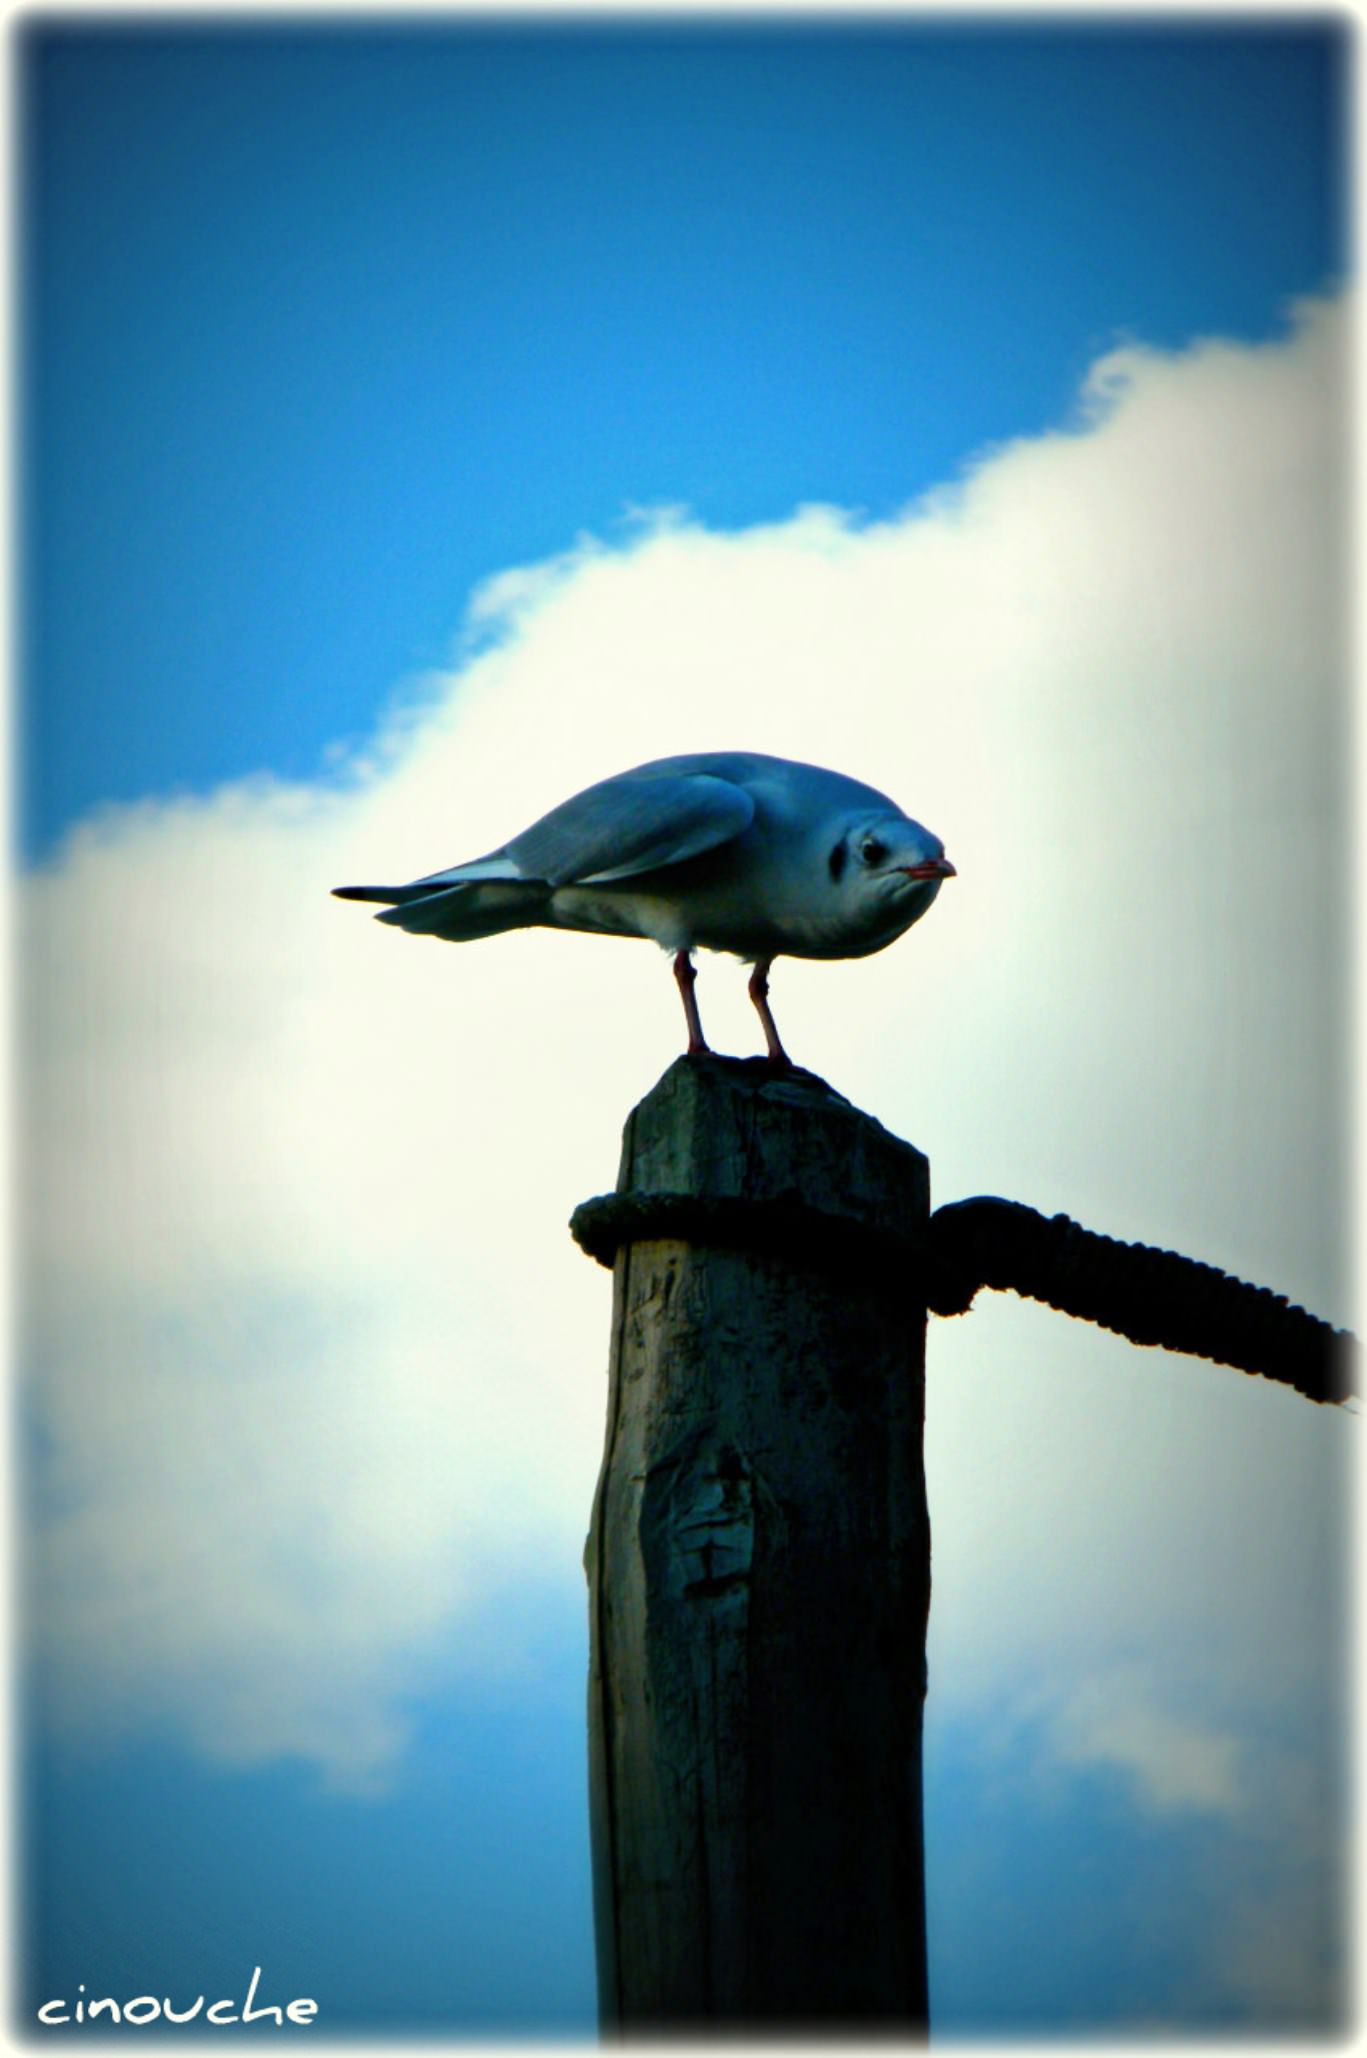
(888, 868)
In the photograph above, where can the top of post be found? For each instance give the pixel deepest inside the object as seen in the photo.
(739, 1128)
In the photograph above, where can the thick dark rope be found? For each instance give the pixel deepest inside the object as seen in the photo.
(784, 1226)
(1150, 1296)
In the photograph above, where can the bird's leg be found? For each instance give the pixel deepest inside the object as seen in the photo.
(759, 994)
(686, 973)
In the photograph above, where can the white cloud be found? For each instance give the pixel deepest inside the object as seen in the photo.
(1108, 1720)
(317, 1372)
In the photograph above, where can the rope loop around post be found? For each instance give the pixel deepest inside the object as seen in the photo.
(781, 1226)
(1145, 1294)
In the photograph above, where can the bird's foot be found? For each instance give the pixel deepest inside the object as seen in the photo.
(759, 993)
(686, 975)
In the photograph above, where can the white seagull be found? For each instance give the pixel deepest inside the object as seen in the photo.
(721, 850)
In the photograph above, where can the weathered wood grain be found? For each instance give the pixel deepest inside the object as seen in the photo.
(759, 1573)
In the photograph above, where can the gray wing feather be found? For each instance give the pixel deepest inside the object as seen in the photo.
(629, 825)
(462, 913)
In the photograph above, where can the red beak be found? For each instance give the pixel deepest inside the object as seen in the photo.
(932, 868)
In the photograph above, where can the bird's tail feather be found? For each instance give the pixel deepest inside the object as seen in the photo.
(460, 914)
(390, 895)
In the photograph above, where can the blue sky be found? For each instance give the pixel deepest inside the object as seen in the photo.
(356, 369)
(323, 314)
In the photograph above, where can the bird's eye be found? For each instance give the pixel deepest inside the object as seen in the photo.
(872, 851)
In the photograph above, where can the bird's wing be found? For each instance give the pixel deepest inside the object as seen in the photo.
(629, 825)
(633, 823)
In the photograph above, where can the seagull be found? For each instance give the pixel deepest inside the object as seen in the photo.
(721, 850)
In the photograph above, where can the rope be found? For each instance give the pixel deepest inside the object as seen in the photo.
(784, 1226)
(1149, 1296)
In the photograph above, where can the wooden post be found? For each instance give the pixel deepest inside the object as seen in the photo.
(759, 1566)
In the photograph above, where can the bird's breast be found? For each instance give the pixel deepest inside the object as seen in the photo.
(752, 899)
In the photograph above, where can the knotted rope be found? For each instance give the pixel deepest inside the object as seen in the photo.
(1148, 1295)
